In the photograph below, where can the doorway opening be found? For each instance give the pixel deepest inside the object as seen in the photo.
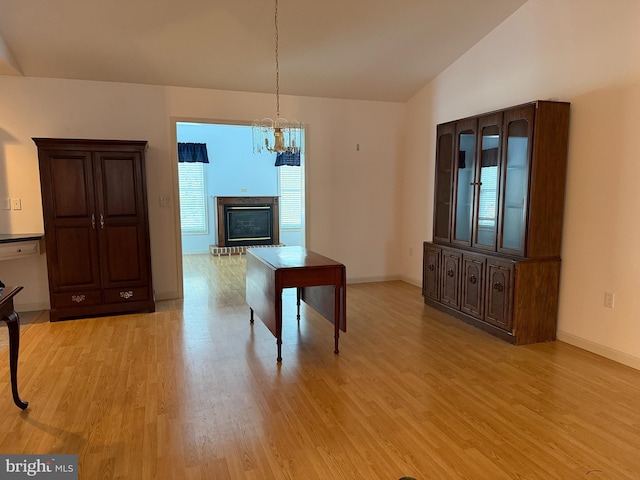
(233, 171)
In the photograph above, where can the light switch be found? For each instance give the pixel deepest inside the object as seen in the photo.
(16, 204)
(6, 204)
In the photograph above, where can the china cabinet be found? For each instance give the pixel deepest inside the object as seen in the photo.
(497, 223)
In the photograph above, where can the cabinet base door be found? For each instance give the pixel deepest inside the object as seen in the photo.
(472, 285)
(431, 269)
(499, 294)
(450, 274)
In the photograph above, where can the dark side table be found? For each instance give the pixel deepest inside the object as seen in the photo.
(11, 318)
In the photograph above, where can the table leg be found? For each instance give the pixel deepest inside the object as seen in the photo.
(299, 294)
(13, 324)
(336, 318)
(251, 320)
(278, 315)
(279, 342)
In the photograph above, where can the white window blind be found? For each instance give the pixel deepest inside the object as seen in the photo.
(290, 179)
(193, 198)
(488, 193)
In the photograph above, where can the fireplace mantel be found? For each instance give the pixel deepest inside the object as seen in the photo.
(224, 209)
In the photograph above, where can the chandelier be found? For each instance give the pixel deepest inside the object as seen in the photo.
(279, 135)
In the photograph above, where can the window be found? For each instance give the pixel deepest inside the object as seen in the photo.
(193, 198)
(290, 179)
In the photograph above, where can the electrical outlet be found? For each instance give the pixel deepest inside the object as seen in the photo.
(609, 299)
(165, 201)
(16, 204)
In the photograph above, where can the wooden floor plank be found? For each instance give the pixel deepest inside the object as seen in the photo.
(193, 391)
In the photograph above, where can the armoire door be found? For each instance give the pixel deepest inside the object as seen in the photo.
(71, 225)
(121, 210)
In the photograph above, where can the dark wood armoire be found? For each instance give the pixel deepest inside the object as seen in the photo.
(497, 220)
(96, 226)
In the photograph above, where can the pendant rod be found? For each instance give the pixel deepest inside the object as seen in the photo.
(277, 65)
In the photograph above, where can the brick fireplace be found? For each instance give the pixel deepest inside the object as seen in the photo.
(247, 221)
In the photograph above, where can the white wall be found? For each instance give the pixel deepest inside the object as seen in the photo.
(584, 52)
(352, 196)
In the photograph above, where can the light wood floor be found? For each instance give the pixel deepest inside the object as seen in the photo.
(194, 392)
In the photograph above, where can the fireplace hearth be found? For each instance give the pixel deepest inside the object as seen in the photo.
(247, 221)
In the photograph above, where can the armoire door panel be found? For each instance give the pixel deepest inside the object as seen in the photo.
(71, 188)
(75, 258)
(120, 185)
(123, 261)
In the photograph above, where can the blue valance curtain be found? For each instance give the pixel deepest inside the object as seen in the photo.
(288, 158)
(193, 152)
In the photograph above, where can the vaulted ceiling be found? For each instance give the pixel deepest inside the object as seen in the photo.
(352, 49)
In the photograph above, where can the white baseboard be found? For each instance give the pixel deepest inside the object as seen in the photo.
(610, 353)
(166, 295)
(31, 307)
(412, 281)
(372, 279)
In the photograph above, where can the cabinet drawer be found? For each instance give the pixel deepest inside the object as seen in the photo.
(19, 249)
(74, 299)
(124, 294)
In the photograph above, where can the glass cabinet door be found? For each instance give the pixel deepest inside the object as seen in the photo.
(464, 178)
(486, 213)
(516, 180)
(444, 175)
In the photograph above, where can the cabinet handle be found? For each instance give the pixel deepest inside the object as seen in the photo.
(126, 295)
(432, 267)
(473, 279)
(450, 273)
(102, 221)
(498, 287)
(93, 221)
(78, 298)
